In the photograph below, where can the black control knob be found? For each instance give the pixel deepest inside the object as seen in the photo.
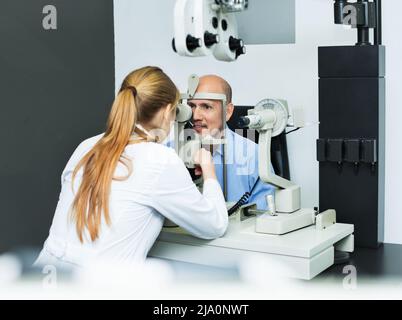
(210, 39)
(240, 51)
(174, 45)
(235, 44)
(192, 43)
(243, 122)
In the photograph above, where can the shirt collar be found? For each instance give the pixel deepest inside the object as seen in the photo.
(229, 135)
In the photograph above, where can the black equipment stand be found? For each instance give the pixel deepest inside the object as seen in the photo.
(351, 144)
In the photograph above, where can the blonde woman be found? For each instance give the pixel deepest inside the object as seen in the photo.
(118, 187)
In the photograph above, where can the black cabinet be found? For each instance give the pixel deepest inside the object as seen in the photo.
(351, 145)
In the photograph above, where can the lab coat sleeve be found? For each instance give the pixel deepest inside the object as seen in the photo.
(177, 198)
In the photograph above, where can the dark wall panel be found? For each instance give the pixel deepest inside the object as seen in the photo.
(56, 88)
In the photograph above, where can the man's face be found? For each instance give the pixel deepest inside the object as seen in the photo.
(207, 116)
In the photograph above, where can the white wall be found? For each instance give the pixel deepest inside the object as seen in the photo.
(392, 27)
(143, 33)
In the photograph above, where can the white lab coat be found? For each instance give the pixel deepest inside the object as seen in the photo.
(159, 187)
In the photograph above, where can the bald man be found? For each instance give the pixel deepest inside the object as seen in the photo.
(242, 153)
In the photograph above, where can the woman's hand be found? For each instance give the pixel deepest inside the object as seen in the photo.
(204, 164)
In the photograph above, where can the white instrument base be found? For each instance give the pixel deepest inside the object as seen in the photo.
(284, 222)
(304, 253)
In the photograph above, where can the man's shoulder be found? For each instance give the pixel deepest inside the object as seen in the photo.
(239, 139)
(242, 146)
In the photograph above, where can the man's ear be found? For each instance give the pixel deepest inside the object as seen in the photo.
(229, 111)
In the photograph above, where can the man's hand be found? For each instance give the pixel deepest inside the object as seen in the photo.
(204, 164)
